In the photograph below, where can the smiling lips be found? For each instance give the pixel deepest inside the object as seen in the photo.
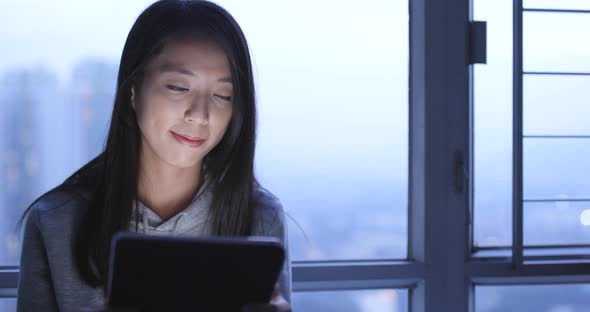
(189, 141)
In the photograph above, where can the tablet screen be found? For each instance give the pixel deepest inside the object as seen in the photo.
(155, 273)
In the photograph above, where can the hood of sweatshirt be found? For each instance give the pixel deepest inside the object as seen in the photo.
(192, 221)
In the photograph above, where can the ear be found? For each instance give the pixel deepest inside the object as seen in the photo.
(133, 97)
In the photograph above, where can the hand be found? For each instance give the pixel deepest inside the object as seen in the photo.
(277, 304)
(104, 308)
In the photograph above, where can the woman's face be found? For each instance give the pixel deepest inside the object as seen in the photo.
(184, 104)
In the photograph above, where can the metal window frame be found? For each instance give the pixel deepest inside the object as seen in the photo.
(519, 268)
(8, 281)
(441, 271)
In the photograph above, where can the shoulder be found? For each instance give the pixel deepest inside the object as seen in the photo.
(59, 201)
(266, 201)
(269, 215)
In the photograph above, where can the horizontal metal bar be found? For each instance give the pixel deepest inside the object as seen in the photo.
(317, 276)
(564, 253)
(8, 281)
(551, 200)
(355, 285)
(8, 292)
(579, 136)
(557, 260)
(531, 280)
(579, 258)
(503, 273)
(487, 248)
(500, 254)
(507, 248)
(355, 275)
(9, 278)
(556, 73)
(324, 263)
(538, 10)
(326, 276)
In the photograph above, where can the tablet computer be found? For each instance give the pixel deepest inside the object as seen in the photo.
(165, 273)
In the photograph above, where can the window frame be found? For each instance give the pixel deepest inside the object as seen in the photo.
(515, 267)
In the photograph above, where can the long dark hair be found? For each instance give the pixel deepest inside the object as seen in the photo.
(112, 177)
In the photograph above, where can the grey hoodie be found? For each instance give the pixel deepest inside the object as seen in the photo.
(48, 279)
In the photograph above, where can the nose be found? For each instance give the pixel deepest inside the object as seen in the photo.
(198, 111)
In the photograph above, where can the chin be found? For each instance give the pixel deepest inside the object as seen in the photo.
(182, 161)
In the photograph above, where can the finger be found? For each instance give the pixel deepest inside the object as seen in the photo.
(281, 304)
(103, 308)
(276, 292)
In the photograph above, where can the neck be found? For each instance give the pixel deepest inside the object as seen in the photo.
(164, 188)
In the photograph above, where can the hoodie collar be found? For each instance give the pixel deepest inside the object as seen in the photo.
(189, 219)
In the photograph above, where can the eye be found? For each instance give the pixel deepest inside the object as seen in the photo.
(225, 98)
(176, 88)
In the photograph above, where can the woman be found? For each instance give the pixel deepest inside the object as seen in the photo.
(178, 160)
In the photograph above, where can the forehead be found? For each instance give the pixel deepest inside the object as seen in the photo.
(195, 55)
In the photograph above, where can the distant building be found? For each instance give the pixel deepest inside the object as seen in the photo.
(23, 96)
(92, 91)
(47, 131)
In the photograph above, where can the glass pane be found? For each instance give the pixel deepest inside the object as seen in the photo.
(556, 168)
(383, 300)
(561, 4)
(555, 42)
(55, 97)
(335, 112)
(493, 128)
(560, 251)
(538, 298)
(7, 304)
(556, 105)
(556, 223)
(334, 122)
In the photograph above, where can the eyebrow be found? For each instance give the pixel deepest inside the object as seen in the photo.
(175, 68)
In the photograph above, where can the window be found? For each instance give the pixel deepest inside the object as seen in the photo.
(332, 100)
(530, 139)
(54, 105)
(554, 128)
(346, 185)
(336, 111)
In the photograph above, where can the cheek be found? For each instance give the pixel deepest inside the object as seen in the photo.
(221, 120)
(218, 122)
(154, 116)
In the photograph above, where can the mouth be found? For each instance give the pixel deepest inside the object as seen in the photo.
(187, 140)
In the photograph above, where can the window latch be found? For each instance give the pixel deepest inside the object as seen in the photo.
(461, 175)
(477, 42)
